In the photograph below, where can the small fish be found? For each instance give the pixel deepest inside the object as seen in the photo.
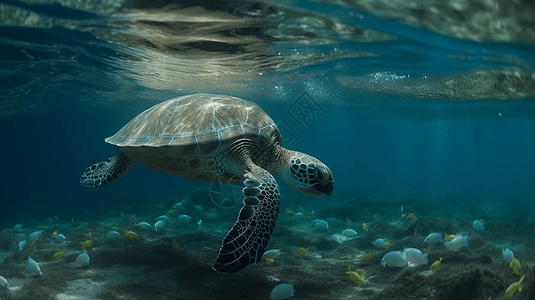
(202, 260)
(86, 244)
(348, 222)
(513, 288)
(26, 53)
(176, 246)
(33, 245)
(88, 235)
(436, 265)
(115, 228)
(82, 259)
(364, 227)
(366, 258)
(515, 265)
(289, 211)
(72, 220)
(55, 234)
(449, 237)
(130, 234)
(34, 266)
(59, 255)
(302, 251)
(412, 217)
(269, 261)
(355, 276)
(56, 218)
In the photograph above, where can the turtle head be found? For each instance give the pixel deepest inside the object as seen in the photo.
(308, 175)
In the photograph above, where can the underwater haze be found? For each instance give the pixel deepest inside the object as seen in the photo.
(422, 108)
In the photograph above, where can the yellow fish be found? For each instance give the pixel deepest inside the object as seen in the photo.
(176, 246)
(355, 276)
(86, 244)
(55, 234)
(412, 217)
(364, 227)
(366, 258)
(59, 255)
(269, 261)
(55, 217)
(302, 251)
(202, 260)
(130, 234)
(388, 243)
(449, 238)
(88, 235)
(515, 265)
(115, 228)
(32, 246)
(348, 222)
(513, 288)
(436, 265)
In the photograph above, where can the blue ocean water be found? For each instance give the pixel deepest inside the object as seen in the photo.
(397, 109)
(417, 105)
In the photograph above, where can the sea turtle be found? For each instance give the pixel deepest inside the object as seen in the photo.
(218, 138)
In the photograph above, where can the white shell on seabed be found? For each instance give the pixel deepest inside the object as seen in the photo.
(164, 218)
(35, 235)
(435, 237)
(144, 225)
(271, 254)
(213, 216)
(159, 225)
(478, 226)
(200, 224)
(321, 224)
(299, 215)
(414, 257)
(457, 243)
(82, 259)
(179, 204)
(34, 266)
(184, 219)
(380, 243)
(17, 228)
(393, 259)
(282, 291)
(508, 255)
(22, 244)
(349, 233)
(113, 234)
(60, 237)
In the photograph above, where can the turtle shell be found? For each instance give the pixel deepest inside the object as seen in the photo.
(184, 136)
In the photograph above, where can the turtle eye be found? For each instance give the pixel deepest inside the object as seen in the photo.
(321, 176)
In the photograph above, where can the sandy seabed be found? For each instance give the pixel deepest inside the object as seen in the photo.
(150, 267)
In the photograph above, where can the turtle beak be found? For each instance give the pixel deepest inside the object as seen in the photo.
(324, 189)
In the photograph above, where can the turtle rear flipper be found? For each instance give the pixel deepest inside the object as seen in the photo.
(247, 240)
(103, 172)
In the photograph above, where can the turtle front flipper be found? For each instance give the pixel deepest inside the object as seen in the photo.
(103, 172)
(247, 240)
